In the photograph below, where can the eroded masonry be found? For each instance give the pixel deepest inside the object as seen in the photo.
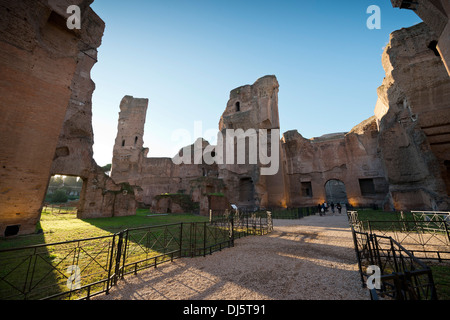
(399, 159)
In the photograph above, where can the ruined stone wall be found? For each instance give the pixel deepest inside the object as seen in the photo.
(100, 196)
(257, 108)
(253, 107)
(128, 152)
(413, 112)
(347, 157)
(436, 14)
(153, 177)
(39, 60)
(351, 158)
(74, 153)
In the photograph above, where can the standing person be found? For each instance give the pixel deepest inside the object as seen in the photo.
(319, 209)
(339, 208)
(332, 207)
(325, 206)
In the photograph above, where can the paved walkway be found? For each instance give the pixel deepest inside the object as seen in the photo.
(308, 259)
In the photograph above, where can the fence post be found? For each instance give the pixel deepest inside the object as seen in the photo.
(231, 226)
(118, 257)
(269, 222)
(446, 230)
(113, 242)
(192, 242)
(358, 257)
(433, 286)
(181, 239)
(204, 239)
(394, 255)
(124, 252)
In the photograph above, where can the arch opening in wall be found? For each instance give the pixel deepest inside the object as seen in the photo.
(238, 106)
(336, 192)
(63, 195)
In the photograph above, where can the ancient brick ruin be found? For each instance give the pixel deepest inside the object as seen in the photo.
(46, 118)
(398, 159)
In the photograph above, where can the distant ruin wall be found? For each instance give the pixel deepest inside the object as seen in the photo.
(350, 158)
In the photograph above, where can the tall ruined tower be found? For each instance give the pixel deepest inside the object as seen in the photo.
(254, 107)
(129, 146)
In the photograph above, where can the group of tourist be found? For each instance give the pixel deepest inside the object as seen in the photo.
(323, 208)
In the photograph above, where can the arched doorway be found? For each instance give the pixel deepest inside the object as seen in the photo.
(335, 191)
(63, 194)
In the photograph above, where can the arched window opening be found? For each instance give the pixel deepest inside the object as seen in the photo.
(238, 106)
(64, 195)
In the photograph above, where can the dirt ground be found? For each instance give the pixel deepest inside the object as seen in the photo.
(308, 259)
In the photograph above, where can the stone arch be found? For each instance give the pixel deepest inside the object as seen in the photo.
(335, 191)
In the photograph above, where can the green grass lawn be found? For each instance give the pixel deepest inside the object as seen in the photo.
(379, 215)
(59, 227)
(441, 277)
(48, 264)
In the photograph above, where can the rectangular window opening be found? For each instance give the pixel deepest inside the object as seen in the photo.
(306, 189)
(11, 231)
(367, 187)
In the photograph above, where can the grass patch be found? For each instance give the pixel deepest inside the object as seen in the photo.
(59, 227)
(441, 277)
(379, 215)
(49, 263)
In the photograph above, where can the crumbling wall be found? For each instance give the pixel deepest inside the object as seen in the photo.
(100, 196)
(153, 177)
(253, 107)
(436, 14)
(346, 157)
(413, 114)
(40, 58)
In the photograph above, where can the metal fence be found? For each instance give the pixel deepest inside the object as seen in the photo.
(402, 276)
(425, 234)
(81, 269)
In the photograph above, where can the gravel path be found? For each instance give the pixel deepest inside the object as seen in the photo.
(308, 259)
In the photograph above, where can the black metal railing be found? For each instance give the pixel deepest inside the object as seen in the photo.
(402, 275)
(81, 269)
(54, 270)
(425, 236)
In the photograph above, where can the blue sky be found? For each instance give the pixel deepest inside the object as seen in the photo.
(186, 57)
